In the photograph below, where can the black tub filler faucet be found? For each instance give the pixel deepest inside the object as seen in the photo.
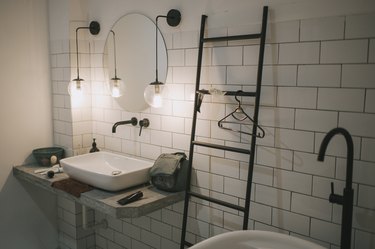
(346, 200)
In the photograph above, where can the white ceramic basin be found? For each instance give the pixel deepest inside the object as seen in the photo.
(253, 239)
(108, 171)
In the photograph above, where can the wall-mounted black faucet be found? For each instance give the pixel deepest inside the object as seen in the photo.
(133, 121)
(346, 200)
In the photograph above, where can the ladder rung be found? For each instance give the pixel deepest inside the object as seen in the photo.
(232, 38)
(231, 93)
(222, 147)
(217, 201)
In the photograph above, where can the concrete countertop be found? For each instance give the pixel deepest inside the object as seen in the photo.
(103, 201)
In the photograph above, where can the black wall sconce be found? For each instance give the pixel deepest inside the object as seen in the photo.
(116, 85)
(76, 86)
(156, 91)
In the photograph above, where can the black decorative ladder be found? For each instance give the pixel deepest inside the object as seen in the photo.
(251, 152)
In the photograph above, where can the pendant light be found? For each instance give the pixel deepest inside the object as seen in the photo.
(116, 85)
(77, 86)
(156, 91)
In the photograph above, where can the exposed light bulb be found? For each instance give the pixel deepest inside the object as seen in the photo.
(157, 101)
(76, 87)
(116, 87)
(154, 94)
(116, 92)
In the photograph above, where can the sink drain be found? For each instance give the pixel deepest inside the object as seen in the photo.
(116, 172)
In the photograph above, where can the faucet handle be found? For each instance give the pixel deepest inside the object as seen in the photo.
(335, 198)
(134, 121)
(143, 123)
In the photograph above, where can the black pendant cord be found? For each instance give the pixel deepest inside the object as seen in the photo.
(114, 51)
(77, 49)
(156, 48)
(94, 30)
(173, 19)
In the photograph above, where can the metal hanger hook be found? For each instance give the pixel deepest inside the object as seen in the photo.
(236, 97)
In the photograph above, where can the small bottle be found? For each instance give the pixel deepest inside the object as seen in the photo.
(94, 148)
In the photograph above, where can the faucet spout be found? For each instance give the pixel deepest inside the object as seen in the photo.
(346, 200)
(350, 151)
(133, 121)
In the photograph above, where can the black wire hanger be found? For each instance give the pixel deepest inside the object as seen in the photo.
(240, 115)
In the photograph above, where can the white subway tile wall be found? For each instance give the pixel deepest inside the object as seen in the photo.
(356, 26)
(299, 53)
(282, 32)
(371, 57)
(330, 28)
(358, 75)
(318, 74)
(71, 233)
(344, 51)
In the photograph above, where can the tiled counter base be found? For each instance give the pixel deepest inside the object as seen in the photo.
(72, 235)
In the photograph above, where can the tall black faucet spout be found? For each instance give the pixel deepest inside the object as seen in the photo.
(133, 121)
(350, 151)
(347, 199)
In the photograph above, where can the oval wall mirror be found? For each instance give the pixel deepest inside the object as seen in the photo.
(135, 43)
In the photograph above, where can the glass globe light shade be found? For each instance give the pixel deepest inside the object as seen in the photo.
(116, 87)
(155, 93)
(76, 87)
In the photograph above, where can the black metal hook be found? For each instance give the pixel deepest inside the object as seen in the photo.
(239, 109)
(236, 97)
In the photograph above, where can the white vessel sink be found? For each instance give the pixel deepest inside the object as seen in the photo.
(254, 239)
(108, 171)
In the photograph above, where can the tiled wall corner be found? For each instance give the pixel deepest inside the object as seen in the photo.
(60, 68)
(72, 117)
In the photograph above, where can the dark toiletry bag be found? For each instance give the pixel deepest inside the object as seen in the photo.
(169, 172)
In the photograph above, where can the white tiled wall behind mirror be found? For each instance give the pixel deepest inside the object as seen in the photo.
(318, 74)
